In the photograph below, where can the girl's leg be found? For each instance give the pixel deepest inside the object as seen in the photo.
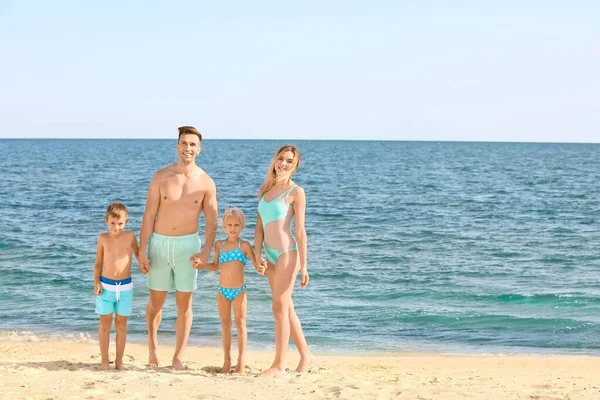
(282, 286)
(224, 307)
(240, 304)
(121, 327)
(103, 339)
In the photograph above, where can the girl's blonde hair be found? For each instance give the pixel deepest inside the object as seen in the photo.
(235, 212)
(272, 175)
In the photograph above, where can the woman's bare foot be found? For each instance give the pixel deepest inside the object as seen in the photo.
(226, 367)
(103, 366)
(152, 359)
(177, 365)
(273, 371)
(305, 363)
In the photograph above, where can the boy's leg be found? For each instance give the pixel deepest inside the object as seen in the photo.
(156, 300)
(183, 326)
(103, 339)
(224, 307)
(121, 328)
(240, 304)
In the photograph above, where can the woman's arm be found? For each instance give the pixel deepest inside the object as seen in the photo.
(258, 239)
(299, 205)
(249, 252)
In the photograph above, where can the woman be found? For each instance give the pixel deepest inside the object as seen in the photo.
(280, 199)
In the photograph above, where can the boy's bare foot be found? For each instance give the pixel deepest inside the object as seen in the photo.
(226, 367)
(103, 366)
(120, 366)
(152, 359)
(305, 363)
(239, 368)
(177, 365)
(273, 371)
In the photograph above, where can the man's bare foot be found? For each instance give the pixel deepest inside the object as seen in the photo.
(103, 366)
(120, 366)
(305, 363)
(273, 372)
(152, 359)
(239, 368)
(177, 365)
(226, 367)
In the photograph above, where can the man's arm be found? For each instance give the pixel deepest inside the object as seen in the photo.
(211, 217)
(152, 204)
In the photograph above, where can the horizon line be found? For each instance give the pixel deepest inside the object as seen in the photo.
(307, 140)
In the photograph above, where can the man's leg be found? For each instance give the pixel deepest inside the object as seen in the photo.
(183, 326)
(153, 317)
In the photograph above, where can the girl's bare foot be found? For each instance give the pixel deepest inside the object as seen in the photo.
(177, 365)
(226, 367)
(239, 368)
(152, 359)
(305, 363)
(103, 366)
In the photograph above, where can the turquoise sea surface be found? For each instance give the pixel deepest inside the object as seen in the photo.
(413, 246)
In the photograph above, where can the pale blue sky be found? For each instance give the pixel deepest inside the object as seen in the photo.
(400, 70)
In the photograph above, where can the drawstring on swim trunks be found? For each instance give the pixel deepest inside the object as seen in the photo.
(171, 254)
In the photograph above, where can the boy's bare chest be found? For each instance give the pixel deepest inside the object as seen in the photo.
(116, 248)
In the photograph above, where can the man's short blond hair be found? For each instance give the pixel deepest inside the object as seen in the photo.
(117, 210)
(235, 212)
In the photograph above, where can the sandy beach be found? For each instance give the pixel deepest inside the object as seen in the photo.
(64, 370)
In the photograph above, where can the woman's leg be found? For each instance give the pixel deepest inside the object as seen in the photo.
(239, 309)
(282, 285)
(224, 307)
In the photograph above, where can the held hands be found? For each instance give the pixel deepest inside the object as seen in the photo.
(305, 277)
(198, 261)
(144, 262)
(262, 267)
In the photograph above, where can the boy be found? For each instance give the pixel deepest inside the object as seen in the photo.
(112, 281)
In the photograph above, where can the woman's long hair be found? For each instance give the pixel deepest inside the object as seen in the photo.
(271, 176)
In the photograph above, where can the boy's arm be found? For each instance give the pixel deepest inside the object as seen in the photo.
(249, 251)
(98, 266)
(134, 247)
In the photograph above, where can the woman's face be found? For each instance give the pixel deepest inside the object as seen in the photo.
(284, 162)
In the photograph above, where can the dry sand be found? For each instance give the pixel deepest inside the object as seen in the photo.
(63, 370)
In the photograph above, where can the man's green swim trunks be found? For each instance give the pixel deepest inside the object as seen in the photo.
(169, 262)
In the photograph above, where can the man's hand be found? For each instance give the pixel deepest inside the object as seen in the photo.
(144, 262)
(198, 260)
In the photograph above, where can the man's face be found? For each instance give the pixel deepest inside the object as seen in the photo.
(188, 147)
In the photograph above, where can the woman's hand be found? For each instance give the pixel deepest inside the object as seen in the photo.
(305, 277)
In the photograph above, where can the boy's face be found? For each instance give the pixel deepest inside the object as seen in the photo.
(232, 225)
(116, 225)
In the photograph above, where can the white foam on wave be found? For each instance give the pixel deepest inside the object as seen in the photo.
(28, 336)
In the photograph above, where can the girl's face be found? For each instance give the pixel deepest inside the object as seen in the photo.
(284, 162)
(232, 226)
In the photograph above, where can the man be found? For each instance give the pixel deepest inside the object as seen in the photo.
(177, 196)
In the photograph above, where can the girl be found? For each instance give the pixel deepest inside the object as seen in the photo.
(280, 199)
(230, 257)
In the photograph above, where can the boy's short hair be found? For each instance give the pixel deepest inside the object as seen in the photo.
(117, 210)
(235, 212)
(184, 130)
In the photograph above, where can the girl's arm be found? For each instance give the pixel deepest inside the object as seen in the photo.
(249, 252)
(214, 265)
(299, 205)
(98, 266)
